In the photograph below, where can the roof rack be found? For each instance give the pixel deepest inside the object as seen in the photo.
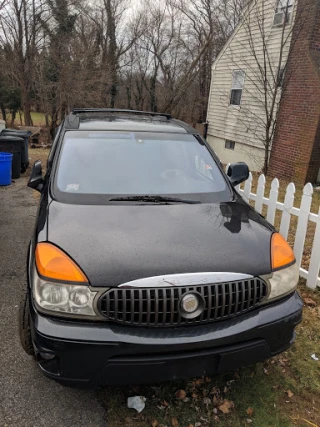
(118, 110)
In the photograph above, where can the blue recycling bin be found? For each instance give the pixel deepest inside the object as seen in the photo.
(5, 168)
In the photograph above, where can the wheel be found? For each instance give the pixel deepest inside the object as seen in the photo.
(24, 323)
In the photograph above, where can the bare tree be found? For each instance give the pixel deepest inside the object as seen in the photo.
(19, 30)
(156, 55)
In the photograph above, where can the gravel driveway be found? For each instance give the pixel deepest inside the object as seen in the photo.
(27, 398)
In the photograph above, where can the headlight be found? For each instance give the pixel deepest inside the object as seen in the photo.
(282, 282)
(64, 298)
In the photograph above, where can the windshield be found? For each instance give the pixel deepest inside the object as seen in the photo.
(99, 163)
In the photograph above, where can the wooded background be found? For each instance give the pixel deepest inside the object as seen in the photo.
(147, 55)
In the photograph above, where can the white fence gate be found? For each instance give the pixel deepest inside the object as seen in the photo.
(304, 216)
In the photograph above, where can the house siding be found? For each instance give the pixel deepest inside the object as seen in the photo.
(244, 124)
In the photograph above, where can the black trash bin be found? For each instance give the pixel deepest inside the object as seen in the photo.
(14, 145)
(25, 134)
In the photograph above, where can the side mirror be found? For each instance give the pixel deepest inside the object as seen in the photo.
(238, 172)
(36, 180)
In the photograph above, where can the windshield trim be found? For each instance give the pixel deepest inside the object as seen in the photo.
(104, 199)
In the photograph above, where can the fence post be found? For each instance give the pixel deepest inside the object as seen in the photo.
(286, 215)
(303, 222)
(273, 198)
(314, 266)
(260, 193)
(247, 187)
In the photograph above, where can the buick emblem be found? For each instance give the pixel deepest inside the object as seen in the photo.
(191, 305)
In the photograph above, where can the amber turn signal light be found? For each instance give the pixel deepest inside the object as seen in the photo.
(53, 263)
(281, 252)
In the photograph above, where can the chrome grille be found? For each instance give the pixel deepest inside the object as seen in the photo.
(158, 307)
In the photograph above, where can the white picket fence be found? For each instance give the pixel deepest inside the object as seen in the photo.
(304, 216)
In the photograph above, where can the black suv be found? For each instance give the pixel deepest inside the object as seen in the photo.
(145, 263)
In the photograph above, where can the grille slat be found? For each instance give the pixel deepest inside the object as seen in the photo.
(160, 307)
(164, 303)
(140, 305)
(148, 306)
(209, 305)
(132, 305)
(223, 306)
(124, 300)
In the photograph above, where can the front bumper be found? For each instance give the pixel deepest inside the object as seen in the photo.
(105, 353)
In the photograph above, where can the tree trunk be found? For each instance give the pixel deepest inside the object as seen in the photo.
(3, 112)
(266, 159)
(13, 117)
(25, 103)
(112, 52)
(54, 120)
(153, 98)
(128, 89)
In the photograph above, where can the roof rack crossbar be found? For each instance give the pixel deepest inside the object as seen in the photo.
(118, 110)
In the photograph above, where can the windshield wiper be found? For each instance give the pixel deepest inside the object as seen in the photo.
(152, 199)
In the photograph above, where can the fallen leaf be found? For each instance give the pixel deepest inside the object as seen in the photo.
(289, 393)
(186, 399)
(265, 371)
(154, 423)
(174, 422)
(309, 302)
(250, 411)
(180, 394)
(197, 424)
(165, 403)
(215, 411)
(206, 401)
(215, 400)
(249, 421)
(226, 406)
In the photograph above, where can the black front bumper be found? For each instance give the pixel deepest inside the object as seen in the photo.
(103, 353)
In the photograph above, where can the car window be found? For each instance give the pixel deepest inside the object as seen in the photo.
(136, 163)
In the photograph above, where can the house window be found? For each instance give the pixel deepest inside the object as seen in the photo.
(283, 12)
(237, 86)
(229, 144)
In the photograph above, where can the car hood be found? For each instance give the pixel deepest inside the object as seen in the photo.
(114, 244)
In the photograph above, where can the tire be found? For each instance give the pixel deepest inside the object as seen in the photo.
(24, 323)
